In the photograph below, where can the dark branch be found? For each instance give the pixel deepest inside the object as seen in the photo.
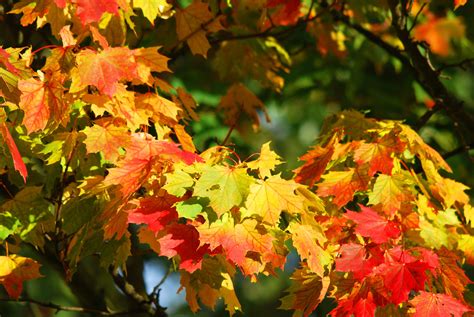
(426, 116)
(427, 76)
(147, 305)
(78, 309)
(462, 64)
(458, 150)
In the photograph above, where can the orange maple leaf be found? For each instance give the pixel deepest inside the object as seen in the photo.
(103, 69)
(14, 270)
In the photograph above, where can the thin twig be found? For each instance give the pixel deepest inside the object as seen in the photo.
(462, 64)
(458, 150)
(417, 15)
(161, 282)
(426, 116)
(142, 300)
(229, 133)
(78, 309)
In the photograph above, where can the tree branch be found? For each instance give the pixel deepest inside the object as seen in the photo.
(427, 76)
(462, 64)
(426, 116)
(147, 305)
(78, 309)
(458, 150)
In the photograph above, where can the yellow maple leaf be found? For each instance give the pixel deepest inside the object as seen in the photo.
(152, 8)
(266, 162)
(192, 25)
(268, 198)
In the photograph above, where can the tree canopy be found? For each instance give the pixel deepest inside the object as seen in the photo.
(298, 157)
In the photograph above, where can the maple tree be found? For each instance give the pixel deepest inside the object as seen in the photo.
(100, 158)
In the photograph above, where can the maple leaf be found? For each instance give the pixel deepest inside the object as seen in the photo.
(316, 161)
(437, 305)
(372, 225)
(184, 138)
(240, 100)
(193, 23)
(438, 32)
(156, 212)
(161, 109)
(246, 244)
(4, 59)
(449, 192)
(418, 147)
(379, 154)
(152, 8)
(106, 137)
(354, 258)
(452, 276)
(402, 277)
(178, 182)
(268, 198)
(67, 37)
(308, 241)
(225, 186)
(145, 235)
(306, 292)
(266, 162)
(31, 10)
(212, 281)
(433, 224)
(287, 13)
(130, 174)
(183, 240)
(146, 146)
(466, 244)
(14, 270)
(150, 60)
(103, 69)
(343, 185)
(141, 156)
(391, 191)
(17, 160)
(187, 103)
(40, 100)
(357, 307)
(90, 11)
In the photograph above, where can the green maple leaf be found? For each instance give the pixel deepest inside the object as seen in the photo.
(225, 186)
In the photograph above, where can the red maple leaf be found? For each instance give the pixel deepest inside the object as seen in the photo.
(17, 160)
(400, 278)
(357, 307)
(437, 305)
(372, 225)
(354, 258)
(183, 240)
(287, 13)
(92, 10)
(316, 161)
(156, 212)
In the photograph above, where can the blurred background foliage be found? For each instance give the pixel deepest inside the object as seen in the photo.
(317, 85)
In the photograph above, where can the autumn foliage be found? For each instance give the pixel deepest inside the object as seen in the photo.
(96, 141)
